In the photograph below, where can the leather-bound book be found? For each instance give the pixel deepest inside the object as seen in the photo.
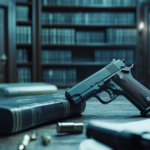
(20, 113)
(21, 89)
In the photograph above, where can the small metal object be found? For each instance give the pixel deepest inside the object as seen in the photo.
(34, 135)
(24, 142)
(123, 60)
(121, 77)
(69, 127)
(47, 140)
(118, 88)
(148, 98)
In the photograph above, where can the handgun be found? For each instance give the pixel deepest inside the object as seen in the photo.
(115, 79)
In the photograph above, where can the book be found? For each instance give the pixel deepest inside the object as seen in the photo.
(20, 113)
(60, 56)
(22, 13)
(20, 89)
(59, 76)
(24, 74)
(23, 34)
(90, 3)
(121, 36)
(89, 18)
(104, 56)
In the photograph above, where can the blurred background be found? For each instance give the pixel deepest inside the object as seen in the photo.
(64, 41)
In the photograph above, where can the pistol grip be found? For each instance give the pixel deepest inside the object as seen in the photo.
(139, 95)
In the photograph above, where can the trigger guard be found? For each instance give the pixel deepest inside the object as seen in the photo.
(103, 102)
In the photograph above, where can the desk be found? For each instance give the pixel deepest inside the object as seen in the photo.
(120, 110)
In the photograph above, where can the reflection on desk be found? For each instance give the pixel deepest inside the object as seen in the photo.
(118, 111)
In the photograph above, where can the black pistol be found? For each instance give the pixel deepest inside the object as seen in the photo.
(116, 79)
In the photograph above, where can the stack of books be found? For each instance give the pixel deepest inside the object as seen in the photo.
(23, 34)
(58, 36)
(24, 74)
(89, 18)
(22, 55)
(91, 2)
(22, 13)
(89, 37)
(56, 56)
(121, 36)
(106, 56)
(59, 76)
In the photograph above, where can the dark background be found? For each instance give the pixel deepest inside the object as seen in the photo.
(38, 60)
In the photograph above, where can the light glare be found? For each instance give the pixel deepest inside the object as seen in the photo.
(141, 25)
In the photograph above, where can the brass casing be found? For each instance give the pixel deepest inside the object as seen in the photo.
(34, 135)
(47, 140)
(24, 142)
(69, 127)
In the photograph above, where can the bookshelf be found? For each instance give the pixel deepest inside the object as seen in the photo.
(82, 54)
(50, 20)
(25, 40)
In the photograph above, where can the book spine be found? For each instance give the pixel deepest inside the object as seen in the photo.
(48, 112)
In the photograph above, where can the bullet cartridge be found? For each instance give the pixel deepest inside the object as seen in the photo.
(34, 135)
(69, 127)
(47, 140)
(24, 142)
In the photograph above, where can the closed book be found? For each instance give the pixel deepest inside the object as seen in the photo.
(20, 89)
(20, 113)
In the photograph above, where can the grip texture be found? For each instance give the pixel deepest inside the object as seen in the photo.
(133, 88)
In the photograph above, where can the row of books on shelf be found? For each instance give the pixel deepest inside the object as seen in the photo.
(70, 36)
(58, 36)
(105, 56)
(121, 36)
(59, 76)
(91, 2)
(65, 56)
(87, 37)
(23, 34)
(89, 18)
(24, 74)
(22, 13)
(56, 56)
(22, 55)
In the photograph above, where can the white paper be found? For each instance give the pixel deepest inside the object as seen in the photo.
(91, 144)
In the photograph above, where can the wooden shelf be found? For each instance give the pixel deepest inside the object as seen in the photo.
(24, 64)
(86, 26)
(24, 45)
(24, 22)
(24, 3)
(81, 64)
(89, 46)
(85, 8)
(75, 64)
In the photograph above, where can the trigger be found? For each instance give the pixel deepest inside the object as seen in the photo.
(99, 98)
(110, 92)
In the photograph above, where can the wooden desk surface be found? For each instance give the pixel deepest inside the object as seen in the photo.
(120, 110)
